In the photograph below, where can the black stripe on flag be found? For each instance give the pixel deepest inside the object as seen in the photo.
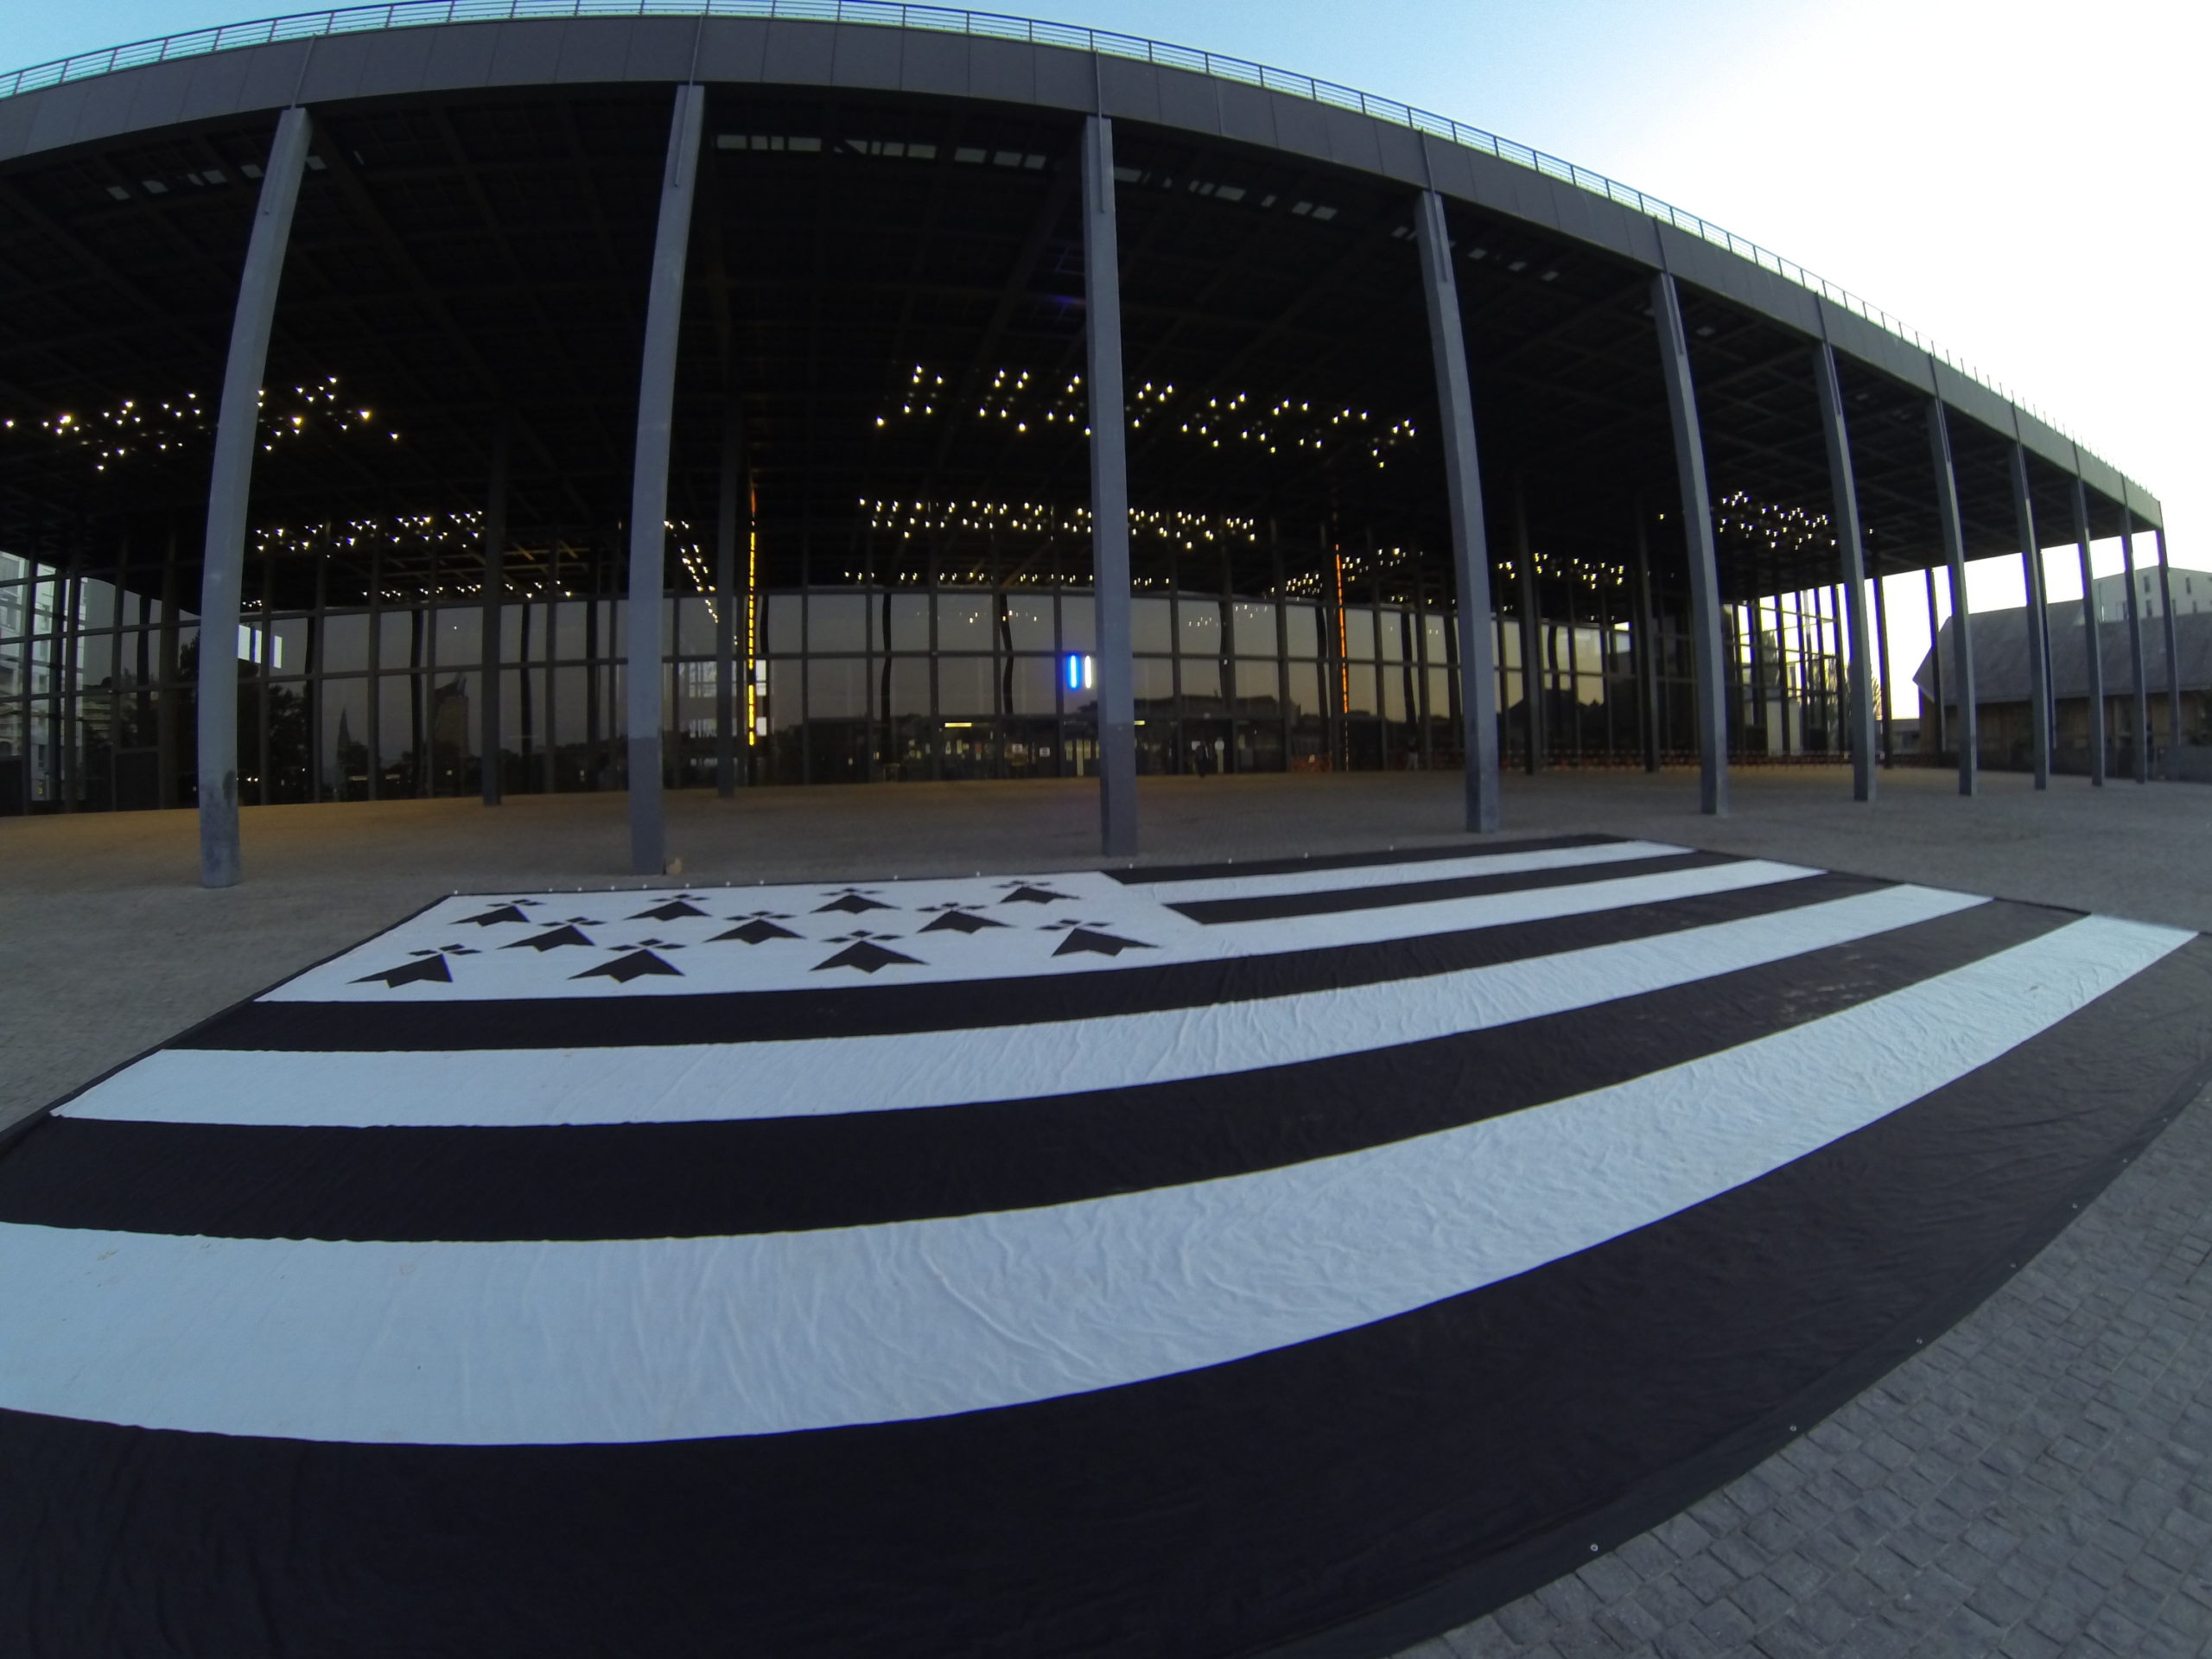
(1330, 901)
(1162, 875)
(783, 1174)
(888, 1009)
(1349, 1494)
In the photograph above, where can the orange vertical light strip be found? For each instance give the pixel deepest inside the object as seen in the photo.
(1344, 670)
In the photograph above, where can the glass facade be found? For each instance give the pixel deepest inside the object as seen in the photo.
(375, 694)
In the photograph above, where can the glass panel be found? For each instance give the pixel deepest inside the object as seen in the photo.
(1390, 628)
(568, 621)
(1305, 689)
(394, 637)
(1256, 684)
(286, 654)
(1149, 625)
(694, 626)
(1438, 650)
(1201, 680)
(1588, 649)
(344, 732)
(395, 740)
(964, 686)
(1029, 620)
(837, 622)
(1034, 683)
(1359, 634)
(571, 689)
(1394, 694)
(837, 686)
(460, 633)
(1155, 685)
(510, 633)
(1079, 631)
(782, 632)
(1360, 698)
(910, 685)
(910, 623)
(1302, 623)
(1256, 629)
(782, 706)
(964, 622)
(1440, 693)
(1201, 626)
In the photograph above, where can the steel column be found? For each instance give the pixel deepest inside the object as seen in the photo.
(1934, 674)
(495, 592)
(1882, 659)
(1851, 545)
(2092, 635)
(2142, 717)
(1470, 539)
(1955, 551)
(1647, 644)
(222, 570)
(1534, 739)
(2173, 656)
(649, 484)
(1109, 495)
(2023, 520)
(1697, 535)
(726, 525)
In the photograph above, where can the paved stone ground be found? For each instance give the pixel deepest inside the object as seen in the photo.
(2038, 1482)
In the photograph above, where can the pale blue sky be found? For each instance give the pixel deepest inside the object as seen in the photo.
(2020, 180)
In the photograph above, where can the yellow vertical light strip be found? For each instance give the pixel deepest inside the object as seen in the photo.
(752, 611)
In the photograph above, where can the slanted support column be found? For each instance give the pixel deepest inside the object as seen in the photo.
(1535, 739)
(224, 567)
(2091, 636)
(1882, 661)
(1470, 540)
(2023, 520)
(1934, 675)
(2142, 716)
(1969, 735)
(495, 592)
(1647, 642)
(2173, 656)
(1697, 535)
(649, 485)
(1852, 552)
(1109, 495)
(726, 528)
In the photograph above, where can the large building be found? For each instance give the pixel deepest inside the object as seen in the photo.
(804, 332)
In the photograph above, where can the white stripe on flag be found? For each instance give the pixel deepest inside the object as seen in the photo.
(657, 1339)
(1335, 879)
(687, 1082)
(1168, 936)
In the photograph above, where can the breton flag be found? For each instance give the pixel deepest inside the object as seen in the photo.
(1189, 1260)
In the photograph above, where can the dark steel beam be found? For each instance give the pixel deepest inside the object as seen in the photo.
(648, 644)
(1852, 554)
(1463, 482)
(1697, 533)
(222, 568)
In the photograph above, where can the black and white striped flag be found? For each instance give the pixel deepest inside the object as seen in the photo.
(1166, 1261)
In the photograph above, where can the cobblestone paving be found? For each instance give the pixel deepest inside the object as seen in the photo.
(2038, 1482)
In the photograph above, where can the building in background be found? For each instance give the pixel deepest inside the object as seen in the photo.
(2001, 689)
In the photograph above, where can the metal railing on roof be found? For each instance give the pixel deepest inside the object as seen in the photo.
(409, 13)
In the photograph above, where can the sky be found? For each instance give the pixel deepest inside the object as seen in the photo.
(2019, 179)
